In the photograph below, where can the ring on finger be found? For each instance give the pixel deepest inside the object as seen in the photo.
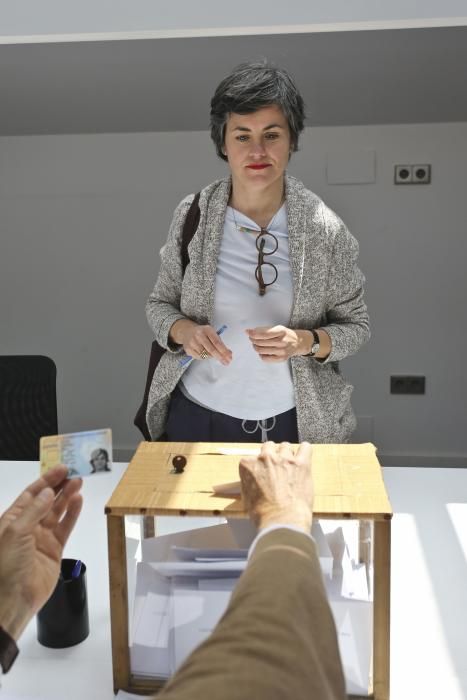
(204, 354)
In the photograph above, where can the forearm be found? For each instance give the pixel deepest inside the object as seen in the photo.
(348, 334)
(306, 341)
(161, 317)
(178, 330)
(300, 516)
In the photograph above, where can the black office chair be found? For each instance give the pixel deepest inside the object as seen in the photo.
(28, 404)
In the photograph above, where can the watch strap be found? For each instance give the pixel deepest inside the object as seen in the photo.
(8, 650)
(316, 341)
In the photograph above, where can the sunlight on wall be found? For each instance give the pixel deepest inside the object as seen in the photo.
(458, 515)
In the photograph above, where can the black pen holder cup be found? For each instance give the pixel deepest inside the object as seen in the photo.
(64, 619)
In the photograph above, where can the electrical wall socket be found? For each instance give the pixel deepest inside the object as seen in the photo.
(421, 174)
(412, 174)
(407, 384)
(402, 174)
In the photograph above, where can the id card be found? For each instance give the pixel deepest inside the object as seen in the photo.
(85, 454)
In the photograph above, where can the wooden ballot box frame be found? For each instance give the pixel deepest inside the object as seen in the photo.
(348, 484)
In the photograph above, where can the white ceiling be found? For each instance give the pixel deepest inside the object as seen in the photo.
(347, 78)
(23, 21)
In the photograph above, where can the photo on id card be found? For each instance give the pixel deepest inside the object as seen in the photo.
(85, 454)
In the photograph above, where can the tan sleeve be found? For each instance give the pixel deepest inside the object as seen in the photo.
(277, 638)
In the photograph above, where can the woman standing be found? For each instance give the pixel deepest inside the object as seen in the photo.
(275, 266)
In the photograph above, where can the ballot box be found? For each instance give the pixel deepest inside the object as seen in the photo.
(178, 537)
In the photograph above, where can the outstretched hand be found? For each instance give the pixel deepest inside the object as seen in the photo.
(33, 533)
(277, 486)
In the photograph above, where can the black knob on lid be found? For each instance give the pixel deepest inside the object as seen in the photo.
(179, 463)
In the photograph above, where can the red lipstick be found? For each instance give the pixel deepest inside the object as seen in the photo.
(258, 166)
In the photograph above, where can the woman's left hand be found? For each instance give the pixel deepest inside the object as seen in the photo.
(278, 343)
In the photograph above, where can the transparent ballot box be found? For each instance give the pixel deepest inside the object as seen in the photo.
(178, 541)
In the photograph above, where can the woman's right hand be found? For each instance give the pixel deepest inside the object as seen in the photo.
(195, 338)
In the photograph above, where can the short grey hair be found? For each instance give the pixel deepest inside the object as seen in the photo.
(249, 87)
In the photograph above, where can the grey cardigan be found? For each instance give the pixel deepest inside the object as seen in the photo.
(327, 292)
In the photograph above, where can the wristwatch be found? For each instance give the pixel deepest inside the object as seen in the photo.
(8, 650)
(315, 346)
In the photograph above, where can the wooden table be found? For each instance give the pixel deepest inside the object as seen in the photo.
(348, 483)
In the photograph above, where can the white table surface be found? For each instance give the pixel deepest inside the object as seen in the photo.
(428, 588)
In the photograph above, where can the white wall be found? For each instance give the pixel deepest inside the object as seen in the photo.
(82, 219)
(33, 19)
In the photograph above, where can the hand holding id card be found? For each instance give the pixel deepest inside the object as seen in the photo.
(85, 454)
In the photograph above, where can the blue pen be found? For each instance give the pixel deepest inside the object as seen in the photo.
(185, 360)
(76, 570)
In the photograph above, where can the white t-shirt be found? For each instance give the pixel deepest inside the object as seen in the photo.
(248, 388)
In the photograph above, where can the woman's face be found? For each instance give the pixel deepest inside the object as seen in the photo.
(100, 462)
(257, 146)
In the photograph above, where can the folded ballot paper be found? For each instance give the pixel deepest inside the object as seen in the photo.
(185, 580)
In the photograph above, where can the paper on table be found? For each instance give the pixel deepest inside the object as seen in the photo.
(154, 644)
(217, 584)
(354, 623)
(348, 577)
(207, 554)
(341, 533)
(322, 547)
(354, 581)
(351, 606)
(132, 558)
(149, 649)
(153, 624)
(200, 569)
(236, 533)
(232, 488)
(194, 615)
(241, 451)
